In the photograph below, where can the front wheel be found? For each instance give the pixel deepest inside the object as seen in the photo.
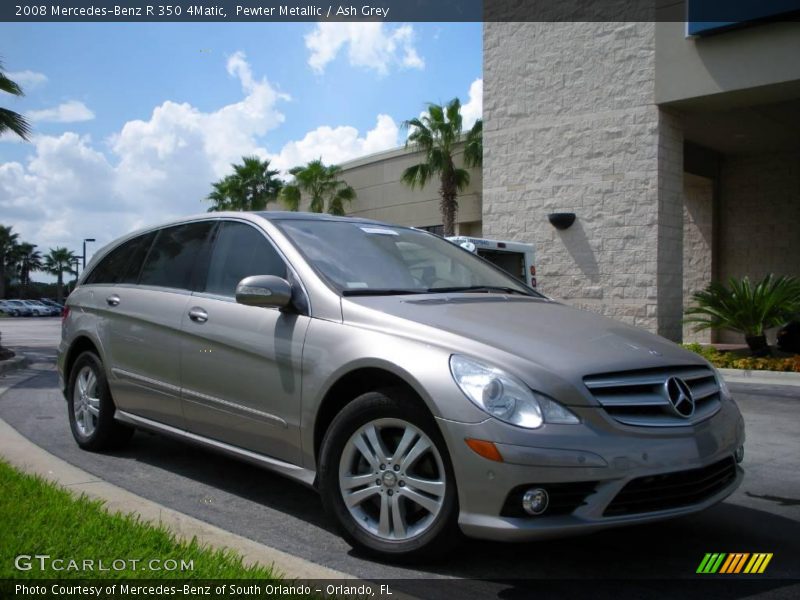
(386, 477)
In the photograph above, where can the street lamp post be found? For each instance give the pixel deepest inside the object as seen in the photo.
(77, 262)
(84, 249)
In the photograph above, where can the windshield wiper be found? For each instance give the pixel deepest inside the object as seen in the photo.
(480, 288)
(380, 292)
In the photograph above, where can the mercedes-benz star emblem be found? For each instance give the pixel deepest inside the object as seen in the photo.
(680, 397)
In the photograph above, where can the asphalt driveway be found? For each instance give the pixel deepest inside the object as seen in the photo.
(762, 516)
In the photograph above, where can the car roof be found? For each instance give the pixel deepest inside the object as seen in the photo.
(285, 215)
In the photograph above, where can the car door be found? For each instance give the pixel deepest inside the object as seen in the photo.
(240, 365)
(143, 314)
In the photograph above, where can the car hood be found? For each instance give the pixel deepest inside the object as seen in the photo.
(560, 339)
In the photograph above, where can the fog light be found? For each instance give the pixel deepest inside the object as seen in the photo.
(739, 454)
(535, 501)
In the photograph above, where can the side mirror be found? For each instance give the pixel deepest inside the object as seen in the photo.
(265, 291)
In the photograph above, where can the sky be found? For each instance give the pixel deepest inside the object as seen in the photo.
(132, 122)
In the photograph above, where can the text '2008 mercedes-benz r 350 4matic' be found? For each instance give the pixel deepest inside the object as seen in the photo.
(422, 391)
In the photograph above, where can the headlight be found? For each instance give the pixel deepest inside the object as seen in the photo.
(724, 391)
(504, 396)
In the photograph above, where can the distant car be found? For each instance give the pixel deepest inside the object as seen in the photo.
(53, 309)
(37, 308)
(53, 303)
(23, 309)
(9, 309)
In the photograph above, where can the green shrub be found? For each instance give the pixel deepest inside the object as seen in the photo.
(746, 308)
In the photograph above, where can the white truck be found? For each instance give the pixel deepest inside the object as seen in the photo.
(515, 258)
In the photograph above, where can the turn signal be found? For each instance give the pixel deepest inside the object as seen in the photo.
(485, 449)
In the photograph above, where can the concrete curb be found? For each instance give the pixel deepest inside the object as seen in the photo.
(760, 377)
(12, 364)
(30, 458)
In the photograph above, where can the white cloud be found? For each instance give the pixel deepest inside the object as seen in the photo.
(337, 144)
(72, 111)
(369, 45)
(151, 170)
(27, 79)
(472, 110)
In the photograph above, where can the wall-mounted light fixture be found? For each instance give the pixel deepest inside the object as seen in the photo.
(561, 220)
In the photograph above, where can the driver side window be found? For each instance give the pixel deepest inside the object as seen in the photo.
(240, 250)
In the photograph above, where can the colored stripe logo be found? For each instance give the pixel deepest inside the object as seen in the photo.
(734, 563)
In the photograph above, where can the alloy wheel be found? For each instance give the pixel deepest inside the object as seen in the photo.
(392, 479)
(86, 401)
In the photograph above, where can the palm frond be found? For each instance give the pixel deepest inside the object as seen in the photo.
(15, 122)
(473, 146)
(290, 196)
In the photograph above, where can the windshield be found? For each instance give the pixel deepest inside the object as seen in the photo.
(370, 259)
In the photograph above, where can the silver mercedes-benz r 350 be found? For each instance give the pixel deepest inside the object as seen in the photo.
(423, 392)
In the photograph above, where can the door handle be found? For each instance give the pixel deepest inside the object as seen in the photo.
(112, 300)
(198, 315)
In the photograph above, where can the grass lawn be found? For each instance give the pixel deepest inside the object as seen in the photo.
(38, 517)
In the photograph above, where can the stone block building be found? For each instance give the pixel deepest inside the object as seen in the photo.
(679, 156)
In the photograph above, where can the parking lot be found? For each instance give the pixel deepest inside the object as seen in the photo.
(762, 516)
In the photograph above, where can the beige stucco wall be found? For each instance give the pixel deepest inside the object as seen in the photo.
(382, 196)
(735, 61)
(570, 124)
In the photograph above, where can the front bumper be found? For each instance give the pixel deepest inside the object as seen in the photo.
(606, 456)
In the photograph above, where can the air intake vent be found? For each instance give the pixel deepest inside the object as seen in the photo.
(670, 397)
(672, 490)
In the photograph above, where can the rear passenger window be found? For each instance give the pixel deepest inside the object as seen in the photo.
(122, 264)
(240, 250)
(172, 258)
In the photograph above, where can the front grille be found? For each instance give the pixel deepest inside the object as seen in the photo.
(672, 490)
(564, 498)
(640, 398)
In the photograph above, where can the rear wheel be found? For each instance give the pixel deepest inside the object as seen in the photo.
(386, 477)
(91, 408)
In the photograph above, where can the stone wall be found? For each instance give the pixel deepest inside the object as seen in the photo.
(570, 125)
(698, 244)
(760, 218)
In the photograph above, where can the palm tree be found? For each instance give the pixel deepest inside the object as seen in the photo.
(28, 259)
(9, 120)
(8, 243)
(57, 262)
(323, 187)
(436, 135)
(251, 186)
(746, 308)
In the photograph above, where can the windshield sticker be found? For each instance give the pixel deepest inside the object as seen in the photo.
(357, 285)
(379, 230)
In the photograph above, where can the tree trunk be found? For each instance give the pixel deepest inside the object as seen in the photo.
(758, 345)
(448, 204)
(2, 276)
(60, 287)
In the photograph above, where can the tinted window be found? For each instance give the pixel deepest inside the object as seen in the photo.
(240, 250)
(122, 264)
(172, 258)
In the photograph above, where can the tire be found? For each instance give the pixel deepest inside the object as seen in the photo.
(91, 408)
(396, 507)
